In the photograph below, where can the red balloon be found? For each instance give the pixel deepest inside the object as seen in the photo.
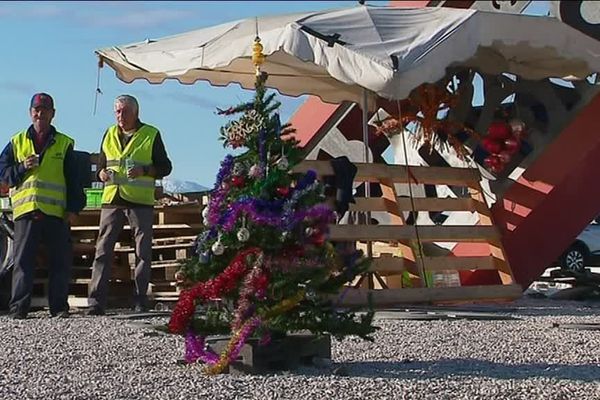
(491, 146)
(504, 156)
(499, 130)
(512, 145)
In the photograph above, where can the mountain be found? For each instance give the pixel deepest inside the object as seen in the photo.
(173, 185)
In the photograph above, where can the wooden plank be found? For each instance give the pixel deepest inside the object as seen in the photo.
(420, 204)
(459, 263)
(438, 233)
(387, 265)
(129, 249)
(154, 227)
(387, 297)
(399, 174)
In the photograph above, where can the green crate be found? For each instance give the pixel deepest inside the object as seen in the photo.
(93, 198)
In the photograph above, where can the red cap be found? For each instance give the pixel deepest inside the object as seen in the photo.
(42, 100)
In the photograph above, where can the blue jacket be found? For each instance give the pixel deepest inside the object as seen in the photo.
(12, 172)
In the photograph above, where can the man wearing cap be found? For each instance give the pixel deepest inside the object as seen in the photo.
(132, 156)
(39, 166)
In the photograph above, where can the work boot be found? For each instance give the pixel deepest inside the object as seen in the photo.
(60, 314)
(95, 311)
(18, 315)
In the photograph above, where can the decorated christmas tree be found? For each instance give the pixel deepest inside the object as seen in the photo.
(264, 267)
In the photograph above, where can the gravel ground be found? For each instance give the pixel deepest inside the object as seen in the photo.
(523, 357)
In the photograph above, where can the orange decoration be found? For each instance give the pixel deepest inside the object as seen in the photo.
(423, 108)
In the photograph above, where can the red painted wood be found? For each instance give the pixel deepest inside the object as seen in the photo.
(310, 118)
(561, 190)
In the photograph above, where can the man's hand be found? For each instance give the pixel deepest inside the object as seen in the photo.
(135, 172)
(104, 176)
(70, 218)
(31, 162)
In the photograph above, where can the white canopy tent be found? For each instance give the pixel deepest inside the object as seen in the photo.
(336, 54)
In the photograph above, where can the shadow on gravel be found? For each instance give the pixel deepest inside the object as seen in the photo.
(557, 308)
(423, 370)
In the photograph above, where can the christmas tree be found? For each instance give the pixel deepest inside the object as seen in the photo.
(263, 266)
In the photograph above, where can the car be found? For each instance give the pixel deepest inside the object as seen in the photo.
(584, 251)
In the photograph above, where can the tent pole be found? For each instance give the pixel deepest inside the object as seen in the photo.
(365, 132)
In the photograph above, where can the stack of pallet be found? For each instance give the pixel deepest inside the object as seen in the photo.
(175, 228)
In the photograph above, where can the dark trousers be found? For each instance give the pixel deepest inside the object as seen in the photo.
(112, 221)
(54, 232)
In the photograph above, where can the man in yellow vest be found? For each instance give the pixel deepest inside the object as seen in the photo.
(132, 156)
(39, 165)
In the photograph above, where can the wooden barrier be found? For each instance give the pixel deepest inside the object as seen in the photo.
(407, 270)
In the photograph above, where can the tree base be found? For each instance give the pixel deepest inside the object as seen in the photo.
(281, 354)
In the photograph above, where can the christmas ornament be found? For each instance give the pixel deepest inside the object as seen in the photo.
(205, 215)
(238, 181)
(491, 146)
(238, 169)
(493, 162)
(283, 164)
(218, 248)
(255, 171)
(243, 234)
(235, 134)
(512, 145)
(283, 191)
(517, 127)
(309, 231)
(499, 130)
(318, 239)
(504, 156)
(179, 276)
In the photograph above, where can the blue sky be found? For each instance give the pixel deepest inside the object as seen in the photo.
(49, 47)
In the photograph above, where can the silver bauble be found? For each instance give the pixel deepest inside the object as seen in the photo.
(218, 248)
(243, 234)
(283, 163)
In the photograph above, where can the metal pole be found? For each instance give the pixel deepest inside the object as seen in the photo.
(365, 129)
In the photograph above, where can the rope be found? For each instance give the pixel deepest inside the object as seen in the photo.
(412, 200)
(98, 90)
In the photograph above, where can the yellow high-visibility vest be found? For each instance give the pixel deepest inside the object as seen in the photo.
(139, 150)
(43, 187)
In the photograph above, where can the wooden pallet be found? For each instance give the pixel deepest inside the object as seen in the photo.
(281, 354)
(405, 270)
(175, 229)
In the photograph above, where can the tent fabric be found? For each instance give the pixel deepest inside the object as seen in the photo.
(388, 51)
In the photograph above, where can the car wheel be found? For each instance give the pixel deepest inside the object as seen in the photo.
(574, 259)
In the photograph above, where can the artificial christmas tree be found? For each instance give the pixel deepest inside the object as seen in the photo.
(264, 267)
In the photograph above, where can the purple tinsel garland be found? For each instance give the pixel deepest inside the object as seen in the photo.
(245, 333)
(319, 212)
(195, 345)
(220, 191)
(195, 350)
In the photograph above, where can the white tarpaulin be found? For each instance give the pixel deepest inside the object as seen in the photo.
(389, 51)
